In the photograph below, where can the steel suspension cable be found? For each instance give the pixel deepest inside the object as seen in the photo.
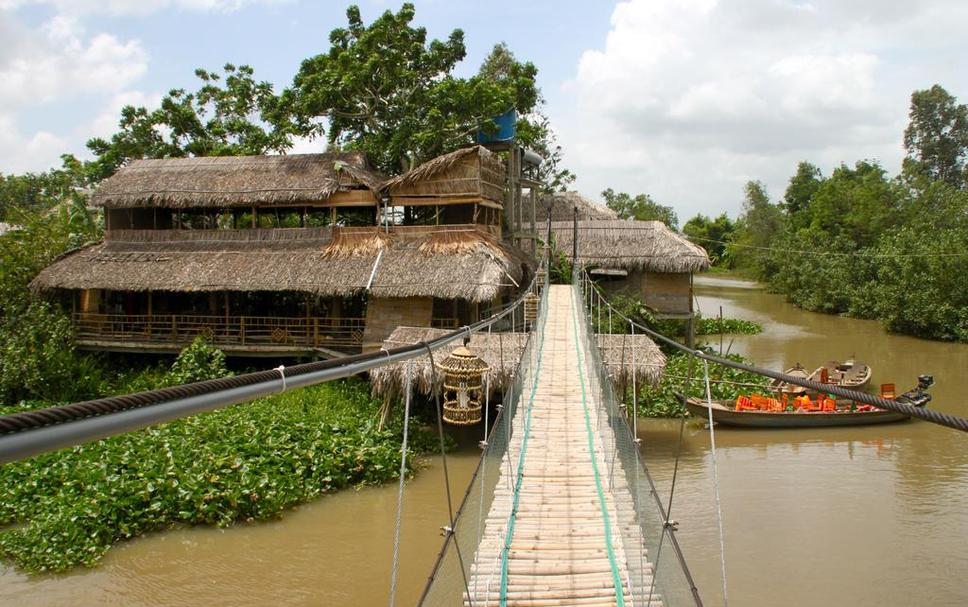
(451, 528)
(719, 507)
(403, 473)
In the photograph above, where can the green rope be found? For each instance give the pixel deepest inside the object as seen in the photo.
(509, 535)
(616, 578)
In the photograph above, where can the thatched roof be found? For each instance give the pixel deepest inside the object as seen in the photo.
(441, 164)
(502, 351)
(631, 245)
(438, 261)
(235, 181)
(563, 207)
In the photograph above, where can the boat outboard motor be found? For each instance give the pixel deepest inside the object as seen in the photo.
(918, 396)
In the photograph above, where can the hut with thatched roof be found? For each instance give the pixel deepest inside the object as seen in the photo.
(624, 355)
(293, 255)
(563, 205)
(465, 186)
(645, 257)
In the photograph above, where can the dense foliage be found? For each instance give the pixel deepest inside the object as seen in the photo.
(640, 207)
(249, 462)
(863, 243)
(665, 400)
(713, 235)
(383, 88)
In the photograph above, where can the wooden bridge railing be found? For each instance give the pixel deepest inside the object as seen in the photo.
(303, 331)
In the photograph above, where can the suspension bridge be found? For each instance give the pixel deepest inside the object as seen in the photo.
(561, 509)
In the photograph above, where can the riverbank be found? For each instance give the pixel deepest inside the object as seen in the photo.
(246, 463)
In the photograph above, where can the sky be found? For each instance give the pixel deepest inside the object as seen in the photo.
(685, 100)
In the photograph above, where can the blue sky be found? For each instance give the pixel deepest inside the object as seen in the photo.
(683, 99)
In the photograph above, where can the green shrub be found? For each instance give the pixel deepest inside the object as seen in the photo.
(38, 359)
(197, 362)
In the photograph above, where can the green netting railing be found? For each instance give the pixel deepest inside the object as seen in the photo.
(445, 585)
(657, 571)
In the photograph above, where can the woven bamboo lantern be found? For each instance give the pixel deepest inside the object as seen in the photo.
(531, 307)
(463, 386)
(540, 275)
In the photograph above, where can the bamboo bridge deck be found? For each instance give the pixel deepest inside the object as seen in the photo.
(556, 538)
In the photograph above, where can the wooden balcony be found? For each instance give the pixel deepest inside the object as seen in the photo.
(237, 335)
(254, 335)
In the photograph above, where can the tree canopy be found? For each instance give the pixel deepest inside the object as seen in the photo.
(229, 115)
(640, 207)
(383, 88)
(936, 138)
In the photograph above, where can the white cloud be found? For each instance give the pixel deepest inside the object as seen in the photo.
(20, 153)
(52, 66)
(60, 61)
(688, 99)
(134, 7)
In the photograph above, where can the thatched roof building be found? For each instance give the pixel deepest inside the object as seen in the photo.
(563, 207)
(468, 175)
(631, 245)
(502, 351)
(436, 261)
(236, 181)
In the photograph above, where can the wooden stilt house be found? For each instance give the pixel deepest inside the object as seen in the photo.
(296, 255)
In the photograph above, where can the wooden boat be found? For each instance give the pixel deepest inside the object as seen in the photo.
(846, 413)
(849, 374)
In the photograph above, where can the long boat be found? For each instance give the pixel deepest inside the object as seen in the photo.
(846, 413)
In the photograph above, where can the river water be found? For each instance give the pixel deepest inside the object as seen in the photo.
(851, 516)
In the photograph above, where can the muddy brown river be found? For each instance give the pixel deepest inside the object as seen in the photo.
(845, 516)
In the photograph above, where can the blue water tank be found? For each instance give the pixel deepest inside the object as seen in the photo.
(505, 124)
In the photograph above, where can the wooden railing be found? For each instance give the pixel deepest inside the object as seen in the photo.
(254, 331)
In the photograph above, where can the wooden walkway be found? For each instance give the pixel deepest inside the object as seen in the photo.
(560, 553)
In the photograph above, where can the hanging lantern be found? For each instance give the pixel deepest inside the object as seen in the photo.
(463, 386)
(540, 276)
(531, 302)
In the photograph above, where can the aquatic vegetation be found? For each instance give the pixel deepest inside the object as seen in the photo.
(248, 462)
(729, 326)
(664, 400)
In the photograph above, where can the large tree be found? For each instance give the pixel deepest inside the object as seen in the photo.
(640, 207)
(534, 130)
(229, 115)
(384, 89)
(936, 139)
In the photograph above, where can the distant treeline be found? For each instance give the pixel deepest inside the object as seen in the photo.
(861, 242)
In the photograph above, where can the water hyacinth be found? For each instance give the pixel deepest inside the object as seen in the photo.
(247, 462)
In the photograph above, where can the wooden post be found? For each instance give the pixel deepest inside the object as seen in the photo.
(574, 239)
(332, 216)
(255, 217)
(534, 221)
(315, 330)
(150, 307)
(242, 328)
